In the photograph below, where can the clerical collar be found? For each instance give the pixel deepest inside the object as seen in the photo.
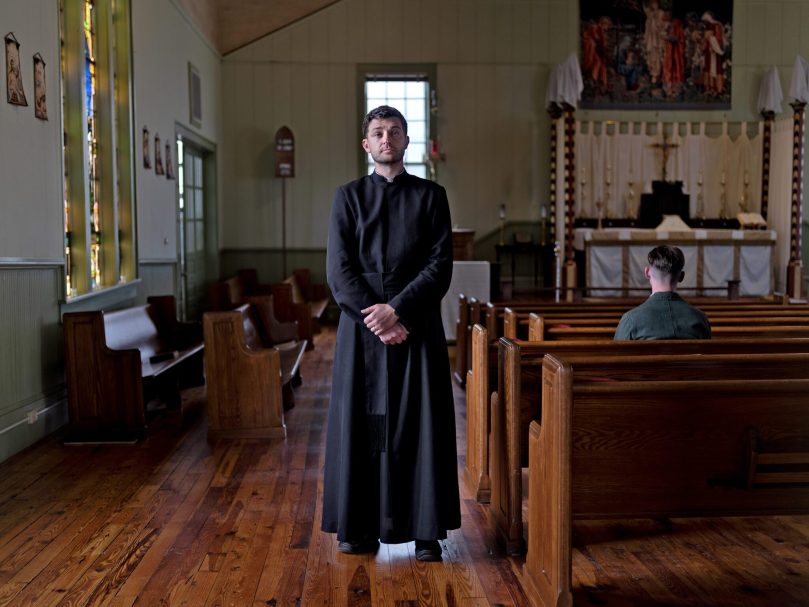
(378, 177)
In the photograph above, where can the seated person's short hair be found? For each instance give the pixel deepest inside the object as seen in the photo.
(667, 260)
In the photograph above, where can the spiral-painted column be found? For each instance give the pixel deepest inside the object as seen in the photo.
(766, 157)
(555, 113)
(570, 199)
(795, 268)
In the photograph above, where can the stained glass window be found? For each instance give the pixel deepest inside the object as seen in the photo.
(98, 152)
(90, 87)
(70, 288)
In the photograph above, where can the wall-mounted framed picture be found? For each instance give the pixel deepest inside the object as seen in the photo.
(194, 96)
(158, 161)
(14, 90)
(169, 163)
(40, 105)
(147, 162)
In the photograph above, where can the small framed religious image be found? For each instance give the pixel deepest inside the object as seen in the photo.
(147, 161)
(169, 163)
(194, 96)
(15, 93)
(40, 105)
(158, 162)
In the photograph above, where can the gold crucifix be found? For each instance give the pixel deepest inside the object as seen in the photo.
(665, 147)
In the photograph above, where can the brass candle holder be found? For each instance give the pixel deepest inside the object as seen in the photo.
(700, 198)
(723, 198)
(630, 200)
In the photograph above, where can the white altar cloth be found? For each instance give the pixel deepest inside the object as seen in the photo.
(615, 257)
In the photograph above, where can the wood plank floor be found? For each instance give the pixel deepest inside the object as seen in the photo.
(176, 521)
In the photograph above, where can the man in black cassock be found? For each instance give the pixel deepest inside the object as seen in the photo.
(391, 463)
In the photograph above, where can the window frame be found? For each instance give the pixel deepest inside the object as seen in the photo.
(396, 71)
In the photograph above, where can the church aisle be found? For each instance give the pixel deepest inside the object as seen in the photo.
(174, 520)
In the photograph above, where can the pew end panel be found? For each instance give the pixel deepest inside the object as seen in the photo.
(244, 383)
(548, 571)
(461, 340)
(506, 508)
(477, 417)
(104, 387)
(475, 311)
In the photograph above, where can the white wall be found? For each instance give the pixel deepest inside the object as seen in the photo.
(31, 224)
(164, 42)
(31, 197)
(492, 59)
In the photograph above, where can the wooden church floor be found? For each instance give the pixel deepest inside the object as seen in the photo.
(175, 521)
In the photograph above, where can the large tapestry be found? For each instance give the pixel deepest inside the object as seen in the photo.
(656, 54)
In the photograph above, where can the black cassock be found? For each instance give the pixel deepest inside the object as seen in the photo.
(391, 463)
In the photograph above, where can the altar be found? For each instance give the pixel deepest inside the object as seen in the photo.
(616, 257)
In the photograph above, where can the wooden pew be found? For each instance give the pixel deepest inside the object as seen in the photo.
(518, 401)
(231, 293)
(117, 362)
(662, 446)
(285, 308)
(471, 310)
(483, 368)
(499, 324)
(303, 291)
(537, 322)
(249, 385)
(491, 315)
(717, 332)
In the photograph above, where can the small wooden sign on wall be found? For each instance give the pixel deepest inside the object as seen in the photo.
(284, 153)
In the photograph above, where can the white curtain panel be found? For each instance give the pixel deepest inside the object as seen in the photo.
(610, 157)
(779, 214)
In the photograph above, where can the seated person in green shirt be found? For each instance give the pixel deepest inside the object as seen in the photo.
(665, 315)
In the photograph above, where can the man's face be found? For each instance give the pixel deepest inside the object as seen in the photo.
(386, 141)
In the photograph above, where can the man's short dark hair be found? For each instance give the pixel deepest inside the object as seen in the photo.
(383, 111)
(667, 260)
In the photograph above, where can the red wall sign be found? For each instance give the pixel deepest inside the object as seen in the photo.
(284, 153)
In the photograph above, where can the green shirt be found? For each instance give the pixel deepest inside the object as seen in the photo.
(664, 315)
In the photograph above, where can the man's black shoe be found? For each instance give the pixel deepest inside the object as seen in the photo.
(363, 547)
(428, 550)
